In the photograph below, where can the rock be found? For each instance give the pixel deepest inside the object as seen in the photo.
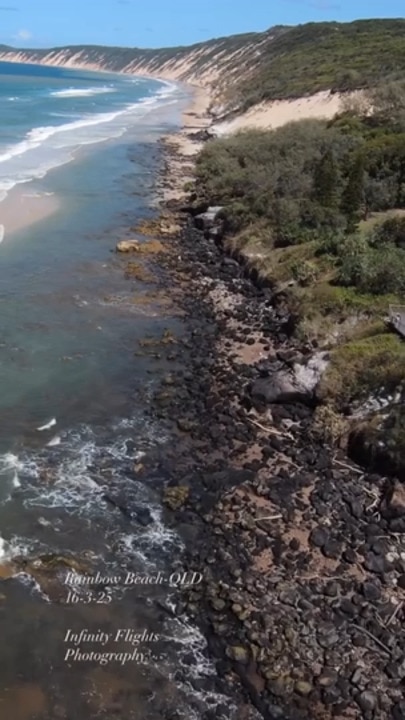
(327, 679)
(185, 424)
(218, 604)
(371, 591)
(167, 229)
(308, 376)
(145, 248)
(303, 688)
(280, 388)
(332, 549)
(207, 220)
(319, 537)
(238, 653)
(278, 686)
(143, 516)
(398, 711)
(401, 582)
(376, 563)
(349, 556)
(175, 496)
(367, 701)
(348, 607)
(394, 501)
(126, 246)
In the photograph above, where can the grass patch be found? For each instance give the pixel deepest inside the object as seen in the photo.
(362, 366)
(377, 218)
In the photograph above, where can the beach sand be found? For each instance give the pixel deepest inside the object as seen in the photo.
(183, 147)
(22, 208)
(272, 115)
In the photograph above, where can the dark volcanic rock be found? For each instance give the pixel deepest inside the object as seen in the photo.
(280, 388)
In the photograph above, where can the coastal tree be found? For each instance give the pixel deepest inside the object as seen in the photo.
(326, 180)
(353, 194)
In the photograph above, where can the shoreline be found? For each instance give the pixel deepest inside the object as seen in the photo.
(182, 146)
(24, 206)
(303, 597)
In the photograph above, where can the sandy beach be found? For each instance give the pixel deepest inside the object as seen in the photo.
(183, 147)
(23, 207)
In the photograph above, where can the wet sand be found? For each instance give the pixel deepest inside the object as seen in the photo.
(23, 207)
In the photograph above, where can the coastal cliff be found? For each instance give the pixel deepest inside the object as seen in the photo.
(204, 64)
(253, 70)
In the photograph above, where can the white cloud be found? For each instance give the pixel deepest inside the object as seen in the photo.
(23, 35)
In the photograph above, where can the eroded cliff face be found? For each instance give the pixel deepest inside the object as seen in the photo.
(215, 65)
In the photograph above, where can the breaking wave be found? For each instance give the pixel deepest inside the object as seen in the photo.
(46, 147)
(84, 92)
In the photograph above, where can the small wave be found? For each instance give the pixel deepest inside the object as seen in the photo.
(84, 92)
(2, 233)
(55, 441)
(48, 425)
(16, 480)
(37, 136)
(47, 147)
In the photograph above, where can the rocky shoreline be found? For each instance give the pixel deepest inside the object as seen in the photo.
(302, 551)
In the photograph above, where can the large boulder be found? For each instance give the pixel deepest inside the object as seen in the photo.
(209, 219)
(152, 247)
(126, 246)
(295, 384)
(280, 388)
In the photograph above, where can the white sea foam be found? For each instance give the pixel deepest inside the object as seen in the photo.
(48, 425)
(10, 467)
(83, 92)
(16, 546)
(16, 480)
(47, 147)
(9, 461)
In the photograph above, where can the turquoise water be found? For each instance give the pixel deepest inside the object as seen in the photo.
(58, 338)
(47, 113)
(73, 401)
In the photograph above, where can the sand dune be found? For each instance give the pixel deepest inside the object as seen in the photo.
(278, 113)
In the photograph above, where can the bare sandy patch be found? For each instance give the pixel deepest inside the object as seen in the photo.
(271, 115)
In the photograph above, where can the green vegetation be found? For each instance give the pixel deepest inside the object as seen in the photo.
(319, 209)
(283, 62)
(326, 56)
(360, 367)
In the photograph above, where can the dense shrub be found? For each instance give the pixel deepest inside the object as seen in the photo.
(315, 183)
(391, 231)
(306, 179)
(373, 266)
(326, 56)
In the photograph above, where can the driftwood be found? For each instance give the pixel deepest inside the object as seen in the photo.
(271, 431)
(373, 637)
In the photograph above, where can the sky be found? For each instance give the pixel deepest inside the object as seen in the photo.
(160, 23)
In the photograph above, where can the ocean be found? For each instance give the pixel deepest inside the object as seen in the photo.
(74, 397)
